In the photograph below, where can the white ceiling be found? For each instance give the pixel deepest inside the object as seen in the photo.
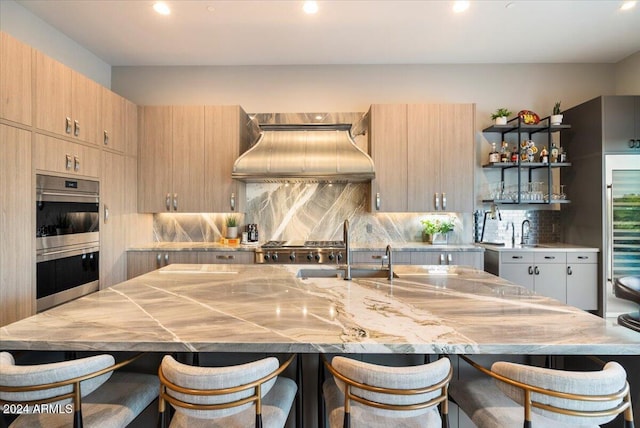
(247, 32)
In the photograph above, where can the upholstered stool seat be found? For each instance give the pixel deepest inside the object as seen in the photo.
(238, 396)
(628, 288)
(518, 395)
(110, 399)
(373, 396)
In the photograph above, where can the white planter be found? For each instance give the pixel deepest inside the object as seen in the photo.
(502, 120)
(232, 232)
(556, 119)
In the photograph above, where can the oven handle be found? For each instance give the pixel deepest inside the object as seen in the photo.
(46, 256)
(71, 195)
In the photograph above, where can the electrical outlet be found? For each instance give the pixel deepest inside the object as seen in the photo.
(369, 228)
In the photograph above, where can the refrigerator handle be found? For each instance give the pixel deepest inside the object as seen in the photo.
(610, 232)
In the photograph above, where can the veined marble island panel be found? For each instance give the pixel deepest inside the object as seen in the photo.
(266, 308)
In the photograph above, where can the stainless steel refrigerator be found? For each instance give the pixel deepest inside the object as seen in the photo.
(603, 184)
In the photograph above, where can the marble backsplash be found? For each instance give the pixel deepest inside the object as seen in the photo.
(303, 211)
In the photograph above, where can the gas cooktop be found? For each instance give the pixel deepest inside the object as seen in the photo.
(300, 252)
(304, 244)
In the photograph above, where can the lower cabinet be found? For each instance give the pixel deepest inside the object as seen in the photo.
(443, 257)
(570, 277)
(141, 262)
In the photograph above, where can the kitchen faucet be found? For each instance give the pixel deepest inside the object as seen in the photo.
(389, 258)
(513, 233)
(347, 250)
(524, 237)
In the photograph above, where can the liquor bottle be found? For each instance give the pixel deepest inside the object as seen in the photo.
(554, 153)
(544, 155)
(515, 155)
(504, 153)
(494, 156)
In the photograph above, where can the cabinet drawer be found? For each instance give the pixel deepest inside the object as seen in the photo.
(400, 257)
(582, 257)
(517, 257)
(229, 257)
(550, 257)
(55, 155)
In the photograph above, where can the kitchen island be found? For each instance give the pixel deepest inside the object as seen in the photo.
(308, 309)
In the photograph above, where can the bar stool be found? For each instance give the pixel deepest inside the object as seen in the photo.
(87, 387)
(374, 396)
(628, 288)
(520, 395)
(242, 395)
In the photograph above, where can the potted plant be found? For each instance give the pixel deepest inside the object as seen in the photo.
(232, 226)
(500, 116)
(63, 224)
(556, 117)
(435, 231)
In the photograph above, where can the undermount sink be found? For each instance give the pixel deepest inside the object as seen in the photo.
(340, 273)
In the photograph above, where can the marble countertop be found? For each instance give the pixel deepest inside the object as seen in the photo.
(556, 246)
(270, 308)
(378, 246)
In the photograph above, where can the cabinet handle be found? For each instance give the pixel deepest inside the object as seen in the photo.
(378, 201)
(441, 259)
(569, 271)
(536, 270)
(166, 258)
(69, 162)
(437, 201)
(233, 201)
(632, 144)
(449, 258)
(158, 260)
(530, 270)
(228, 257)
(76, 163)
(106, 138)
(106, 213)
(516, 257)
(67, 125)
(583, 257)
(76, 128)
(175, 202)
(375, 257)
(167, 201)
(638, 144)
(444, 201)
(550, 257)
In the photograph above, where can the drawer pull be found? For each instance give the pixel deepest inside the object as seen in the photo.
(569, 271)
(516, 257)
(69, 162)
(67, 125)
(376, 257)
(583, 257)
(227, 257)
(76, 128)
(550, 257)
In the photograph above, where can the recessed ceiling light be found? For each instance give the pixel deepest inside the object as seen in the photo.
(510, 5)
(211, 9)
(310, 7)
(460, 6)
(626, 5)
(161, 8)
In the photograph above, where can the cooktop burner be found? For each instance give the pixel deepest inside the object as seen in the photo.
(300, 252)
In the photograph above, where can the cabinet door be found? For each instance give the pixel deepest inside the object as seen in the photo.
(474, 259)
(227, 257)
(457, 157)
(155, 160)
(17, 252)
(424, 154)
(550, 279)
(582, 286)
(55, 155)
(85, 106)
(518, 273)
(15, 80)
(388, 142)
(131, 128)
(53, 89)
(141, 262)
(428, 258)
(113, 121)
(188, 158)
(112, 237)
(618, 125)
(224, 142)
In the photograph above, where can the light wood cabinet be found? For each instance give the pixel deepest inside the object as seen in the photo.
(113, 119)
(17, 240)
(15, 80)
(112, 220)
(68, 103)
(474, 259)
(225, 139)
(55, 155)
(131, 128)
(424, 157)
(186, 156)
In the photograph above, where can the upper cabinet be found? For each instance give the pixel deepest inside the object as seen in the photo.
(424, 157)
(621, 124)
(68, 102)
(112, 120)
(185, 158)
(15, 80)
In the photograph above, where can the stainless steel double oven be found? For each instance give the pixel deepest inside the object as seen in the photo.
(67, 239)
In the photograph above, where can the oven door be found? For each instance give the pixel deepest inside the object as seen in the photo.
(65, 274)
